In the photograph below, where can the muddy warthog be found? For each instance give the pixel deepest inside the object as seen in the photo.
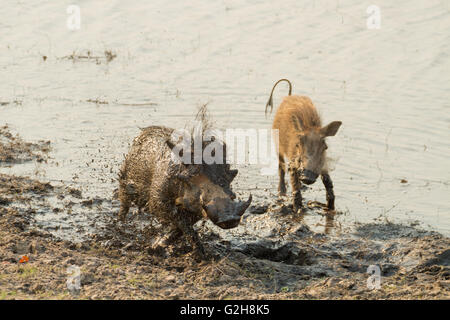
(302, 142)
(178, 194)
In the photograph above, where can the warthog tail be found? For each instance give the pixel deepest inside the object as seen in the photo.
(270, 102)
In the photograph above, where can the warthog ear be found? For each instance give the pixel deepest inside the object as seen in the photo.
(170, 144)
(330, 129)
(301, 138)
(187, 173)
(232, 174)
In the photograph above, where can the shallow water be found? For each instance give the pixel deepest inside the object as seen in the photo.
(389, 87)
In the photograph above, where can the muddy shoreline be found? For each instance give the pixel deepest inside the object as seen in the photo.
(272, 255)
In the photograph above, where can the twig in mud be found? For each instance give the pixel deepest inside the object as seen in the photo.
(392, 207)
(386, 211)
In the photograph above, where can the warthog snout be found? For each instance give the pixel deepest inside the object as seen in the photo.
(224, 212)
(308, 177)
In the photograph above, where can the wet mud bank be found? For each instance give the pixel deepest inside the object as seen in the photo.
(13, 149)
(46, 228)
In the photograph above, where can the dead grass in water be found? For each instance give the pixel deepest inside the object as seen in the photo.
(107, 57)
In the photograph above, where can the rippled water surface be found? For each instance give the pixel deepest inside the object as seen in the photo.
(389, 87)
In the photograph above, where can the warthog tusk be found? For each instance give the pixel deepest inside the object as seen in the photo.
(241, 207)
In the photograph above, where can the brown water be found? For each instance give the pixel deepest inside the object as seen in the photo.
(389, 87)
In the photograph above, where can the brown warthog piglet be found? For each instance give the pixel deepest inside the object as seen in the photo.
(302, 143)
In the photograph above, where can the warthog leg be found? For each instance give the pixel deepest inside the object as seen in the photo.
(189, 232)
(125, 204)
(296, 189)
(127, 191)
(123, 212)
(329, 187)
(281, 173)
